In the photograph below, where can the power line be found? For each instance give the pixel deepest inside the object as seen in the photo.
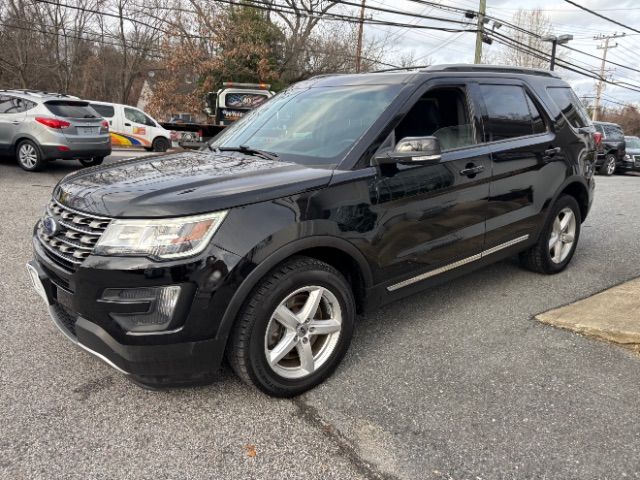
(602, 16)
(504, 40)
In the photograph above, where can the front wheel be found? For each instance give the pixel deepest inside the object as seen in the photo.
(295, 328)
(91, 162)
(558, 240)
(608, 168)
(160, 144)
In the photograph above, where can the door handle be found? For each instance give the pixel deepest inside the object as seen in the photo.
(16, 122)
(127, 124)
(471, 170)
(550, 153)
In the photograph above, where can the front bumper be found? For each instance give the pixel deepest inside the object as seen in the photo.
(188, 355)
(629, 165)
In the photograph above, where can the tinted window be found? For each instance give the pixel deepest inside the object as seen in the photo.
(507, 112)
(613, 132)
(442, 113)
(10, 104)
(536, 117)
(138, 117)
(104, 110)
(570, 105)
(71, 109)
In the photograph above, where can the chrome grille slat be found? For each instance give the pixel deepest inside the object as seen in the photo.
(64, 240)
(77, 235)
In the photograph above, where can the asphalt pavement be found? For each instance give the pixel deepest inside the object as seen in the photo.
(459, 382)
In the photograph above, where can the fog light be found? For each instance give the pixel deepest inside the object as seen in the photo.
(158, 305)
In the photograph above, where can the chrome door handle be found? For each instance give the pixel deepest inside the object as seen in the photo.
(472, 170)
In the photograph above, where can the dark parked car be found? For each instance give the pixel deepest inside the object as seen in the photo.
(340, 194)
(631, 162)
(611, 150)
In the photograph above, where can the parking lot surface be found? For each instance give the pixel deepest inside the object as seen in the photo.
(458, 382)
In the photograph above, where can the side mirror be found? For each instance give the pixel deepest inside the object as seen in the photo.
(412, 151)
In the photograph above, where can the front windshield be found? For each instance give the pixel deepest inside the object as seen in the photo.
(312, 126)
(633, 142)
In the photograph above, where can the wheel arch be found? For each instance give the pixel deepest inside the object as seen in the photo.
(339, 253)
(578, 190)
(21, 138)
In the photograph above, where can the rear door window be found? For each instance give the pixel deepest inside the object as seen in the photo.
(71, 109)
(570, 106)
(106, 111)
(508, 114)
(9, 104)
(537, 119)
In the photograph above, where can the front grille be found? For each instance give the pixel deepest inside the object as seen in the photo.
(637, 160)
(75, 238)
(64, 318)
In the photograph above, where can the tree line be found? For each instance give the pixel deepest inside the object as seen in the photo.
(106, 49)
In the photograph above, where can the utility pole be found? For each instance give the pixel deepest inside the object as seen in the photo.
(604, 46)
(482, 10)
(360, 31)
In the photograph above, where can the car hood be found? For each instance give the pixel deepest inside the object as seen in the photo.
(184, 183)
(633, 151)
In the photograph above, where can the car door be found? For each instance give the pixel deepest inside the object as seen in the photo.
(137, 127)
(431, 218)
(12, 115)
(527, 161)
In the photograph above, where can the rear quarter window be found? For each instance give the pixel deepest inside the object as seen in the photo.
(71, 109)
(106, 111)
(570, 106)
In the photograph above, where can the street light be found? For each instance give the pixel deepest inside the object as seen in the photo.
(555, 41)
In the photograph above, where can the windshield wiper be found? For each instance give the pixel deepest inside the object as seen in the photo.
(248, 151)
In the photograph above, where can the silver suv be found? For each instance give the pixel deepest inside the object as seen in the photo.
(36, 127)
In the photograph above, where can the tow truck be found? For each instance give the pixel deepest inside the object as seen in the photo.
(228, 104)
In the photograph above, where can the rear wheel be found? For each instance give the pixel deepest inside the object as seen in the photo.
(160, 144)
(29, 157)
(558, 240)
(608, 168)
(91, 162)
(295, 328)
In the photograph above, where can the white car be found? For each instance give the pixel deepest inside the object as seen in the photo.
(131, 127)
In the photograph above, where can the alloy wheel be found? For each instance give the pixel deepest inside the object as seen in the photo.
(28, 155)
(611, 166)
(563, 235)
(303, 332)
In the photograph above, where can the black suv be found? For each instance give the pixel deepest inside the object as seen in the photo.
(338, 195)
(611, 149)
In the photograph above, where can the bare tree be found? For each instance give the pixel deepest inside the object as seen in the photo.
(519, 52)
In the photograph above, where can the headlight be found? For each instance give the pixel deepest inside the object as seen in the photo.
(160, 239)
(627, 157)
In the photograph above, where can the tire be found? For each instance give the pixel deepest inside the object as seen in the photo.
(608, 167)
(160, 144)
(29, 157)
(257, 334)
(548, 259)
(91, 162)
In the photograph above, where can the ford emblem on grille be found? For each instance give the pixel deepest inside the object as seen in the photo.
(50, 226)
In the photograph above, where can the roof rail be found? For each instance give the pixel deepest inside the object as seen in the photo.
(490, 68)
(41, 93)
